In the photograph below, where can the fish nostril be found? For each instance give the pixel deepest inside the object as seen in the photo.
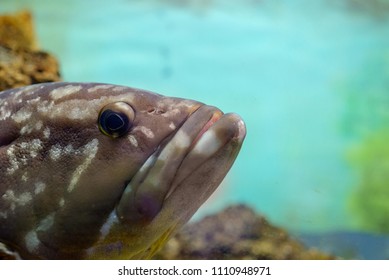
(156, 111)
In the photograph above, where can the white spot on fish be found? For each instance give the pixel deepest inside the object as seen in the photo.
(106, 227)
(55, 152)
(62, 92)
(133, 140)
(33, 154)
(34, 101)
(20, 200)
(46, 223)
(90, 151)
(146, 131)
(28, 90)
(68, 150)
(22, 115)
(24, 198)
(31, 238)
(76, 113)
(46, 133)
(16, 94)
(61, 202)
(17, 155)
(171, 113)
(208, 144)
(27, 129)
(24, 177)
(34, 147)
(5, 113)
(172, 126)
(99, 87)
(32, 241)
(45, 106)
(38, 125)
(12, 160)
(75, 109)
(119, 88)
(182, 139)
(39, 187)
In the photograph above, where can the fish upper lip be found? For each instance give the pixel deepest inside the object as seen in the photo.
(215, 117)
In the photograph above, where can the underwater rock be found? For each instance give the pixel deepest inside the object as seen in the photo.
(17, 31)
(376, 8)
(21, 63)
(236, 233)
(23, 67)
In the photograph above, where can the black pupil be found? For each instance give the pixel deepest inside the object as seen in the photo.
(114, 121)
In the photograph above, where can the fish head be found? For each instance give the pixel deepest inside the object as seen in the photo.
(105, 171)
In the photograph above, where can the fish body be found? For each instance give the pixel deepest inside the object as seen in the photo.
(100, 171)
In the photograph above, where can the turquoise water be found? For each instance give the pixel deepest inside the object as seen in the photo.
(282, 65)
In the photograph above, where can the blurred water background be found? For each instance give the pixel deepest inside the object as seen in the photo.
(310, 78)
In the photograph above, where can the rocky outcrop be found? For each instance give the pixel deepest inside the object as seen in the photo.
(21, 62)
(236, 233)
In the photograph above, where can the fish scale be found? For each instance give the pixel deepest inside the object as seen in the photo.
(70, 189)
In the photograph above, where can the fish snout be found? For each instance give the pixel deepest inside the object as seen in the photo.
(205, 133)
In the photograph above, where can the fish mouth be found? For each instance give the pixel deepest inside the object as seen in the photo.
(205, 132)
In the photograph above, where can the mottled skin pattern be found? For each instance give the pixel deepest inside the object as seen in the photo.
(68, 191)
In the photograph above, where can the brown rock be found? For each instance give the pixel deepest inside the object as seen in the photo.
(236, 233)
(21, 63)
(17, 31)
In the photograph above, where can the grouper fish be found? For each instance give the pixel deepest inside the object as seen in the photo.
(100, 171)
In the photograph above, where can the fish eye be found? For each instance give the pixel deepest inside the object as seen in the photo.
(116, 119)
